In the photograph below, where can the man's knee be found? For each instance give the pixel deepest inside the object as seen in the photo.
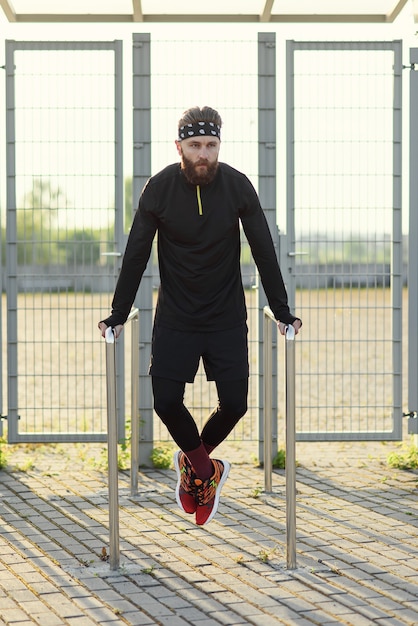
(168, 397)
(235, 408)
(233, 398)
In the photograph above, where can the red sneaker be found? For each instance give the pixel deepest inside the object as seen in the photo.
(185, 489)
(208, 492)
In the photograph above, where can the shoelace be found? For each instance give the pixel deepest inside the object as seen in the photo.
(188, 477)
(205, 491)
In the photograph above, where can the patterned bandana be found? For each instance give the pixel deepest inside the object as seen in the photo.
(200, 128)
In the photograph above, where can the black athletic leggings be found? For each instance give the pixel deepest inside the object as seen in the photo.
(169, 406)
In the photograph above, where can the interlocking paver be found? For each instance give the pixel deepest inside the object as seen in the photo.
(356, 550)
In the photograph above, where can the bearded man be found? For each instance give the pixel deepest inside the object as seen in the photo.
(196, 207)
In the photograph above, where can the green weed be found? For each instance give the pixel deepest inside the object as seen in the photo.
(3, 454)
(256, 492)
(279, 461)
(406, 460)
(162, 457)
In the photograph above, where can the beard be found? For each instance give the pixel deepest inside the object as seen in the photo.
(196, 176)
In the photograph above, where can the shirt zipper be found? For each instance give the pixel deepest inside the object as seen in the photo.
(199, 200)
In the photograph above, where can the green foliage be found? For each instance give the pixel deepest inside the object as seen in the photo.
(3, 455)
(162, 457)
(257, 491)
(101, 463)
(41, 237)
(279, 461)
(407, 460)
(124, 454)
(80, 247)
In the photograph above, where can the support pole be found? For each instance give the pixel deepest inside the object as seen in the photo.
(112, 448)
(268, 400)
(290, 449)
(134, 404)
(290, 428)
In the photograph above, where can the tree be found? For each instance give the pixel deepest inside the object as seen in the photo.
(36, 224)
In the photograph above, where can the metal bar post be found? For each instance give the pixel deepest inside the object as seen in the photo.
(112, 449)
(267, 185)
(397, 261)
(119, 216)
(134, 404)
(413, 235)
(290, 450)
(268, 403)
(11, 249)
(142, 135)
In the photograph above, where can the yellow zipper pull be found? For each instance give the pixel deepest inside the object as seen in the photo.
(199, 200)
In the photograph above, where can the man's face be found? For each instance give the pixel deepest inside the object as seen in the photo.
(199, 158)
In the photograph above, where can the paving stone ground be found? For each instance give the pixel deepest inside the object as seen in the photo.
(357, 545)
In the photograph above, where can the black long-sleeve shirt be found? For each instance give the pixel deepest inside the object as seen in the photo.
(199, 252)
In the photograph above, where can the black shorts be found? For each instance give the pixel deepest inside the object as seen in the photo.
(176, 354)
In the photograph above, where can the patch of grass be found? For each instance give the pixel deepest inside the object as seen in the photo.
(257, 491)
(263, 555)
(25, 466)
(3, 454)
(124, 454)
(162, 457)
(406, 459)
(279, 461)
(22, 457)
(101, 462)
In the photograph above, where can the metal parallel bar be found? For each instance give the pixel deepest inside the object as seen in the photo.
(112, 430)
(290, 450)
(268, 401)
(134, 318)
(134, 404)
(290, 429)
(267, 396)
(112, 450)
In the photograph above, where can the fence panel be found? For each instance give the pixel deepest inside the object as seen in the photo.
(64, 188)
(344, 236)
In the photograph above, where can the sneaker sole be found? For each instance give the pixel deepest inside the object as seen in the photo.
(177, 468)
(227, 467)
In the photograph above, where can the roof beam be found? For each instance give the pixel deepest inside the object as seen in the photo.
(137, 14)
(346, 18)
(165, 18)
(8, 10)
(266, 13)
(391, 17)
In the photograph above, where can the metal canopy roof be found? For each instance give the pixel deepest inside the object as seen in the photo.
(221, 11)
